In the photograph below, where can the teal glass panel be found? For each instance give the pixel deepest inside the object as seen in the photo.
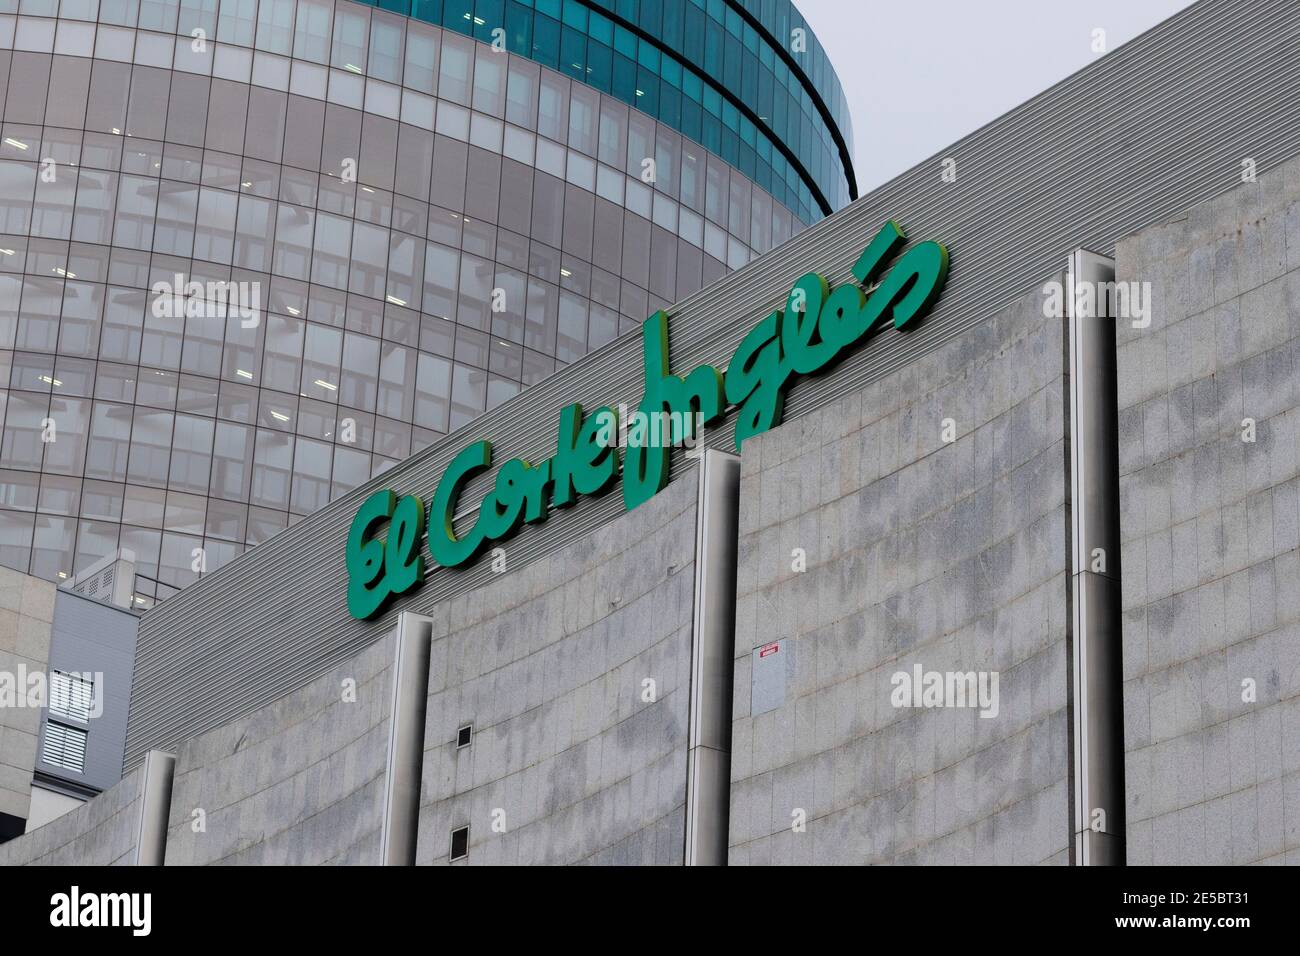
(712, 101)
(731, 64)
(747, 161)
(489, 15)
(671, 71)
(670, 105)
(458, 15)
(712, 58)
(600, 66)
(692, 119)
(648, 57)
(674, 19)
(712, 139)
(573, 54)
(647, 92)
(692, 86)
(519, 28)
(601, 29)
(693, 35)
(624, 86)
(625, 42)
(651, 17)
(429, 11)
(575, 15)
(730, 147)
(546, 42)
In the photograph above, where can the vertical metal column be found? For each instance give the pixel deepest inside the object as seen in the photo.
(406, 740)
(155, 808)
(708, 759)
(1098, 745)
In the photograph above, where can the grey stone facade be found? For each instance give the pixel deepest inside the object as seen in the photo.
(300, 781)
(951, 555)
(26, 621)
(548, 663)
(1210, 529)
(101, 832)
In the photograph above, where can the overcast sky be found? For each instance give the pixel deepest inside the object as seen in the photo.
(919, 76)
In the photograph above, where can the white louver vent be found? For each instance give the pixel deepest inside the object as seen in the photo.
(64, 747)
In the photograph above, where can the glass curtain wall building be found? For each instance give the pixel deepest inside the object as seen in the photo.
(431, 204)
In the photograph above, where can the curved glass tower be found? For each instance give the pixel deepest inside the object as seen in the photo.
(253, 252)
(747, 80)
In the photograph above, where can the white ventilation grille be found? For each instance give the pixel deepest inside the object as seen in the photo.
(64, 747)
(98, 586)
(71, 696)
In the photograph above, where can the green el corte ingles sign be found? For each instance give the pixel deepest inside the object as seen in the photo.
(814, 328)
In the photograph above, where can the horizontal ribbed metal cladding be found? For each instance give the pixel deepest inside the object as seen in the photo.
(1147, 131)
